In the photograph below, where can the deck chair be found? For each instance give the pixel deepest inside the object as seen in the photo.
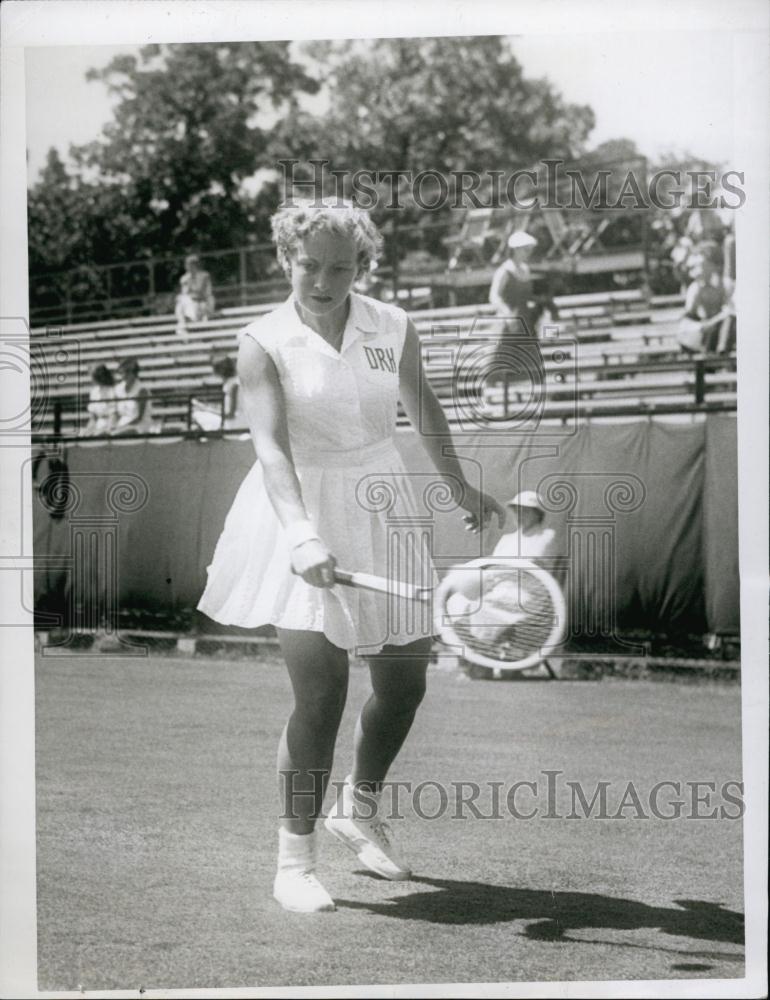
(480, 227)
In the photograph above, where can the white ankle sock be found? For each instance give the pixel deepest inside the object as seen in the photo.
(296, 850)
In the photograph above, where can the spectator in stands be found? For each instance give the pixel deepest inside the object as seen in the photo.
(196, 300)
(706, 307)
(727, 331)
(511, 290)
(102, 411)
(529, 537)
(680, 256)
(207, 416)
(134, 405)
(517, 358)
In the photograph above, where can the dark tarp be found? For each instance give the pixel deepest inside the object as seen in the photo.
(645, 517)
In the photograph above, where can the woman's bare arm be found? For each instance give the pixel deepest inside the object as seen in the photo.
(428, 418)
(263, 405)
(231, 400)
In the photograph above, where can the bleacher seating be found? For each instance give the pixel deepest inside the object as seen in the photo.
(608, 354)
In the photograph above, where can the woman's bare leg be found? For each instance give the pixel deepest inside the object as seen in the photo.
(398, 687)
(318, 671)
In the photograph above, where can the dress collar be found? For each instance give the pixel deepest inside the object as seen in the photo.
(361, 321)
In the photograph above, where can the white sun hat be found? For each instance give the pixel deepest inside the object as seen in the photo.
(529, 498)
(521, 239)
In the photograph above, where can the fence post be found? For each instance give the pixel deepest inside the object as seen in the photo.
(242, 275)
(700, 381)
(394, 258)
(68, 298)
(57, 417)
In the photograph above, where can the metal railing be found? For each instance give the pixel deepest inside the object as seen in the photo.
(414, 254)
(241, 276)
(698, 391)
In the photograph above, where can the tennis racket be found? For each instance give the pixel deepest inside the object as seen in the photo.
(505, 614)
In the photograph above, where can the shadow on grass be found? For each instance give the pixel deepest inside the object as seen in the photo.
(550, 915)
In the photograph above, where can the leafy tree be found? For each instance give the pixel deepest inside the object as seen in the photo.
(190, 124)
(193, 122)
(440, 104)
(614, 150)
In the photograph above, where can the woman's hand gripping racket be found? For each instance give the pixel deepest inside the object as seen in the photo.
(507, 614)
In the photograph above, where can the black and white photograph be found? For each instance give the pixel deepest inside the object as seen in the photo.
(385, 533)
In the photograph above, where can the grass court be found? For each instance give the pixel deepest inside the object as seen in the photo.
(157, 837)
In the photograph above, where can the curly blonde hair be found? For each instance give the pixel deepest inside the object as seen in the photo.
(294, 222)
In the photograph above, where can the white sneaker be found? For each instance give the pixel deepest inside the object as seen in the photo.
(370, 839)
(299, 890)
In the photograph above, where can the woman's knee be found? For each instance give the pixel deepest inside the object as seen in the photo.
(410, 695)
(401, 684)
(318, 672)
(321, 704)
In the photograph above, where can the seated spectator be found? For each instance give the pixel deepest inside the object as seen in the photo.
(208, 416)
(706, 308)
(102, 410)
(134, 405)
(196, 300)
(529, 538)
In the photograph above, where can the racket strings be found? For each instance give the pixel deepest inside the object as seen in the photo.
(517, 595)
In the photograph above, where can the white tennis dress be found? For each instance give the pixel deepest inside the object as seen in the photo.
(341, 412)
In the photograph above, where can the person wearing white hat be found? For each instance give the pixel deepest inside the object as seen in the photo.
(517, 358)
(511, 288)
(521, 239)
(530, 538)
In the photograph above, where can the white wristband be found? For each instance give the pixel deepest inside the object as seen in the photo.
(299, 532)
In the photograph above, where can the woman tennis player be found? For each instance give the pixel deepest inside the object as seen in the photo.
(321, 377)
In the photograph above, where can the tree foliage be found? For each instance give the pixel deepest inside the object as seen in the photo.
(193, 123)
(443, 104)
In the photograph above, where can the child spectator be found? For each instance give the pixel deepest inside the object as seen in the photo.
(208, 417)
(196, 300)
(102, 411)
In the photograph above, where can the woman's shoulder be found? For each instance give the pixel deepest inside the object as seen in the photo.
(375, 311)
(266, 329)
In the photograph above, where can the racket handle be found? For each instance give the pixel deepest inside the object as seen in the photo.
(382, 585)
(340, 576)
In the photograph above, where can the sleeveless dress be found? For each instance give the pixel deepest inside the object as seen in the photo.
(341, 412)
